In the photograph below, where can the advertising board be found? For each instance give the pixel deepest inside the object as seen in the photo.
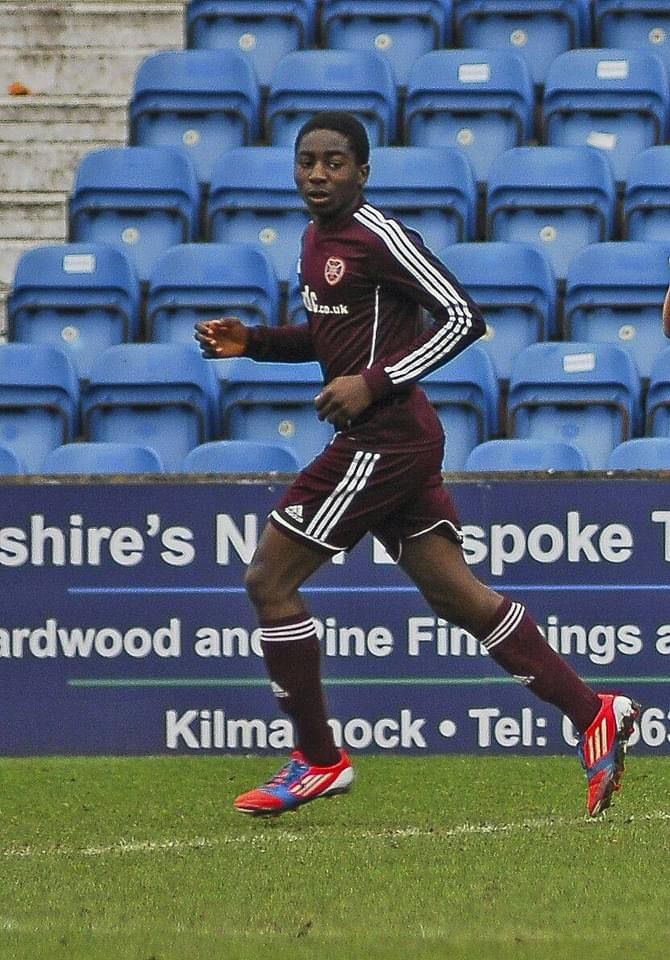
(125, 628)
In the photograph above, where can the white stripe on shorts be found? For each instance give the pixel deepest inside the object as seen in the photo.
(282, 521)
(332, 508)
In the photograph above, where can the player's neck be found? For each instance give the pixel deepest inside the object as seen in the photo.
(338, 219)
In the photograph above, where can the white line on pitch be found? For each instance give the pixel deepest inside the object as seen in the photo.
(123, 846)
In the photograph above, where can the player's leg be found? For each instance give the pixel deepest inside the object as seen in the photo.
(511, 637)
(505, 628)
(291, 649)
(293, 662)
(328, 508)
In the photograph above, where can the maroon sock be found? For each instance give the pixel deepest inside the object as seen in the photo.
(515, 643)
(293, 662)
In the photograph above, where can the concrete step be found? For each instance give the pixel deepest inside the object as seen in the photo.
(70, 23)
(44, 138)
(63, 119)
(83, 72)
(43, 167)
(33, 216)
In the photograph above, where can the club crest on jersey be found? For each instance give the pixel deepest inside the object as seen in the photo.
(334, 270)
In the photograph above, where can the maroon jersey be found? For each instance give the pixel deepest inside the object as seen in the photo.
(365, 284)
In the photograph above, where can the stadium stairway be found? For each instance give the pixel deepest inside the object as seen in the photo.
(66, 74)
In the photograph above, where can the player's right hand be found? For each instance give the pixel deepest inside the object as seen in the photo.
(222, 338)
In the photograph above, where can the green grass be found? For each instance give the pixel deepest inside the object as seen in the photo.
(462, 858)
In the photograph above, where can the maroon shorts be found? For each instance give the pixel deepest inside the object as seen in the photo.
(350, 490)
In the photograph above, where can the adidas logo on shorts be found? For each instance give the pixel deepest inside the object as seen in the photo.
(295, 512)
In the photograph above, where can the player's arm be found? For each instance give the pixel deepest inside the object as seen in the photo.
(406, 263)
(666, 313)
(229, 337)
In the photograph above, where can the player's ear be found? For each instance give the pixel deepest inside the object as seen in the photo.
(363, 174)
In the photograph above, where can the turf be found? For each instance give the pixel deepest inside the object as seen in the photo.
(463, 858)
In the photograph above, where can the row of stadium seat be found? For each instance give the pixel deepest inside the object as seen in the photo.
(115, 457)
(252, 457)
(144, 200)
(481, 101)
(86, 297)
(167, 397)
(515, 454)
(403, 30)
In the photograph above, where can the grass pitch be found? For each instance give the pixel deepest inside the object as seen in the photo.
(465, 858)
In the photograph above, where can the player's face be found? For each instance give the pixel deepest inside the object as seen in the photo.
(329, 178)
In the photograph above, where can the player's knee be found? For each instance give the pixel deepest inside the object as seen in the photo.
(262, 590)
(254, 582)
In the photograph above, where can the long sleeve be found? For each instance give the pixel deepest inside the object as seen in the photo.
(291, 344)
(409, 269)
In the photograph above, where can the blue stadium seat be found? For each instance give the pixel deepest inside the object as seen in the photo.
(158, 395)
(359, 81)
(401, 30)
(102, 458)
(614, 100)
(587, 394)
(205, 101)
(253, 199)
(262, 30)
(614, 292)
(480, 101)
(513, 454)
(240, 456)
(431, 189)
(556, 198)
(39, 401)
(646, 197)
(10, 463)
(81, 297)
(274, 403)
(465, 394)
(658, 397)
(537, 29)
(515, 286)
(641, 453)
(639, 24)
(141, 200)
(202, 281)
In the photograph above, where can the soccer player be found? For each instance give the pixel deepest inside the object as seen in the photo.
(366, 280)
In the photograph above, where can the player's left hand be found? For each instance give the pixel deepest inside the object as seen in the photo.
(342, 400)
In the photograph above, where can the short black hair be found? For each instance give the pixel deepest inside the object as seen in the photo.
(342, 122)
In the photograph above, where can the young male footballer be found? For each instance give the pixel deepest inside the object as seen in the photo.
(366, 280)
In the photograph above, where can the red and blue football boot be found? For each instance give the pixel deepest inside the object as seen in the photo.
(297, 783)
(602, 749)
